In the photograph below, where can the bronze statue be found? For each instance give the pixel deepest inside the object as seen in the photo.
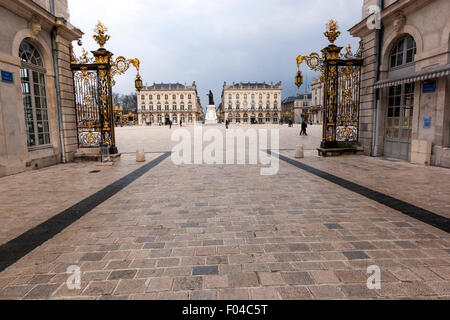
(211, 98)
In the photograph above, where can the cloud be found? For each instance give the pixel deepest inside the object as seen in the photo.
(212, 41)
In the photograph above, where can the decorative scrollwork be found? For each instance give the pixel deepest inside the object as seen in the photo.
(121, 65)
(101, 37)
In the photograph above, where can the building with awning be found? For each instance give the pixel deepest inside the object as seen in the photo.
(405, 90)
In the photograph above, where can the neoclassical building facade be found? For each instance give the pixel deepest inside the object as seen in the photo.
(405, 91)
(37, 110)
(251, 103)
(159, 103)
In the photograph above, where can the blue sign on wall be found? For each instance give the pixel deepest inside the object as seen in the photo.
(427, 122)
(429, 86)
(7, 76)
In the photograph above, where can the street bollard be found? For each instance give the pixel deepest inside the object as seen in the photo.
(299, 154)
(140, 155)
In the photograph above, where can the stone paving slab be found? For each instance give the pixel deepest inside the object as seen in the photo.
(290, 236)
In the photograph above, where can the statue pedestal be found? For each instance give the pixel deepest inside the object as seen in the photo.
(211, 115)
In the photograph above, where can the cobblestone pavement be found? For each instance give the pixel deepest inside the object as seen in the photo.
(226, 232)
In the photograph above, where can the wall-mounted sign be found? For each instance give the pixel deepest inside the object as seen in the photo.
(427, 122)
(7, 76)
(429, 86)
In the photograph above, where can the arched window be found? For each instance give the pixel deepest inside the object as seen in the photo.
(238, 118)
(190, 118)
(190, 106)
(238, 96)
(182, 96)
(238, 105)
(143, 106)
(403, 52)
(174, 106)
(34, 94)
(158, 97)
(268, 118)
(260, 96)
(230, 105)
(230, 96)
(253, 105)
(142, 97)
(151, 106)
(166, 97)
(190, 96)
(245, 105)
(174, 97)
(151, 97)
(159, 118)
(260, 105)
(245, 96)
(275, 105)
(159, 106)
(267, 105)
(182, 105)
(166, 106)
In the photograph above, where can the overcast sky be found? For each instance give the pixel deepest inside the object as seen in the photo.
(212, 41)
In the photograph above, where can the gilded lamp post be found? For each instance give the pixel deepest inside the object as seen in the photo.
(93, 81)
(341, 76)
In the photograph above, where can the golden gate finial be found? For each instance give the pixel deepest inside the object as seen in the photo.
(101, 37)
(332, 32)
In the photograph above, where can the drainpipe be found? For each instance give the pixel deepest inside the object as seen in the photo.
(377, 93)
(57, 86)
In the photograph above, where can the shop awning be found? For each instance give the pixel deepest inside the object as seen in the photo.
(427, 74)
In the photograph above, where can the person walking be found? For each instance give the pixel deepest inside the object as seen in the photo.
(181, 123)
(170, 124)
(304, 127)
(227, 123)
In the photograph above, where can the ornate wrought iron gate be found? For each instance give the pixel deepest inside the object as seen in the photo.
(93, 80)
(93, 99)
(341, 78)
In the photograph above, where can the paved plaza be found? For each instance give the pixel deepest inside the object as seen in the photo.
(157, 230)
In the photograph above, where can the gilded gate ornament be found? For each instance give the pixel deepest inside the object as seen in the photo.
(341, 76)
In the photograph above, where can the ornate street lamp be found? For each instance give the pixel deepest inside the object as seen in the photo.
(299, 79)
(138, 83)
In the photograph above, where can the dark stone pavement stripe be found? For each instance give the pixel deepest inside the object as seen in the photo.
(19, 247)
(408, 209)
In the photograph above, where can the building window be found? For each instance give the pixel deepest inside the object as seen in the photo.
(190, 96)
(245, 105)
(174, 97)
(268, 118)
(34, 94)
(403, 52)
(253, 96)
(253, 105)
(159, 106)
(159, 118)
(143, 106)
(182, 96)
(174, 106)
(189, 106)
(166, 106)
(260, 106)
(142, 97)
(238, 105)
(190, 118)
(183, 117)
(230, 105)
(268, 96)
(276, 96)
(151, 106)
(182, 105)
(230, 96)
(245, 96)
(400, 112)
(275, 105)
(158, 97)
(151, 97)
(267, 105)
(238, 96)
(166, 97)
(260, 96)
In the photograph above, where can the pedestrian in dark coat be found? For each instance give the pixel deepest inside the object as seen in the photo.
(304, 127)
